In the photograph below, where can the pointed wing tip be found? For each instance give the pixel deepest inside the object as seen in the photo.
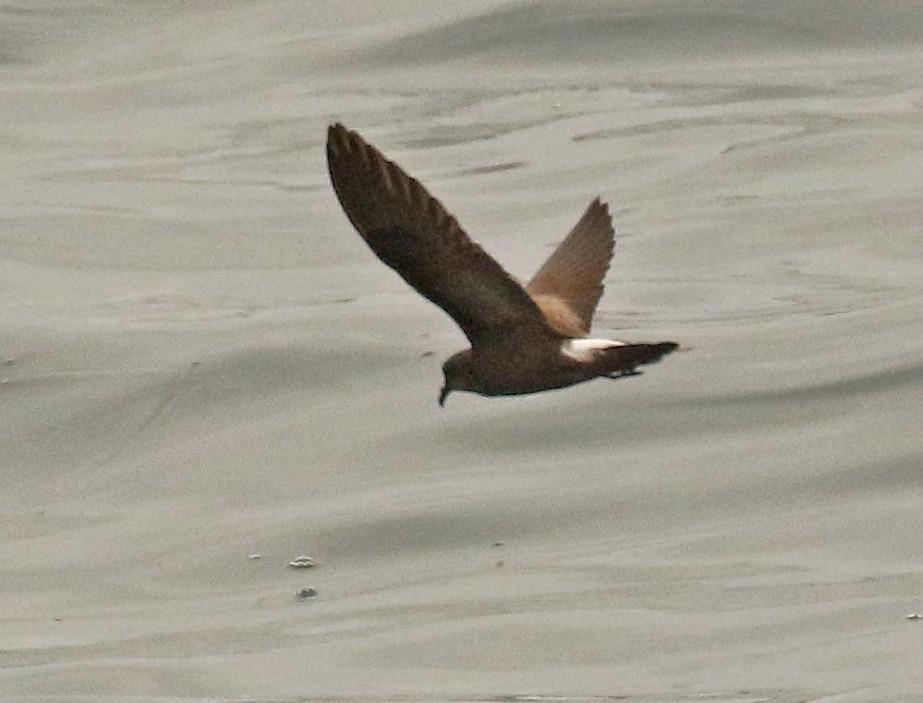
(336, 130)
(599, 204)
(600, 208)
(603, 206)
(339, 139)
(342, 141)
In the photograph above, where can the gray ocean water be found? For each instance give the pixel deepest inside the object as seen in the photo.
(201, 363)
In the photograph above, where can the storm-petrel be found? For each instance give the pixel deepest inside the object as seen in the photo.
(524, 339)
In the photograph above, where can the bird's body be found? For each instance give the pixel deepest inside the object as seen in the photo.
(524, 339)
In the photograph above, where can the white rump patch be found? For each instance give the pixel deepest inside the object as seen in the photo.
(583, 349)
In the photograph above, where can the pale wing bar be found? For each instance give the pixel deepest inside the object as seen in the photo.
(574, 272)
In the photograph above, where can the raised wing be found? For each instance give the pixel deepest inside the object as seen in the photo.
(569, 284)
(412, 232)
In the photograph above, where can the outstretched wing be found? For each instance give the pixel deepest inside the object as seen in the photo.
(412, 232)
(569, 284)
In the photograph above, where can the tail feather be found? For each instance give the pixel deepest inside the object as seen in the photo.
(616, 361)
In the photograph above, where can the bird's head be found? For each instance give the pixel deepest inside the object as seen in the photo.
(459, 375)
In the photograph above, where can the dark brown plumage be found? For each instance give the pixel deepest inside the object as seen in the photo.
(523, 339)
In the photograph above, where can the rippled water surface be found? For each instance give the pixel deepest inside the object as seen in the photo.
(201, 362)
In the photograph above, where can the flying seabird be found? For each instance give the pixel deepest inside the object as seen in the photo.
(524, 339)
